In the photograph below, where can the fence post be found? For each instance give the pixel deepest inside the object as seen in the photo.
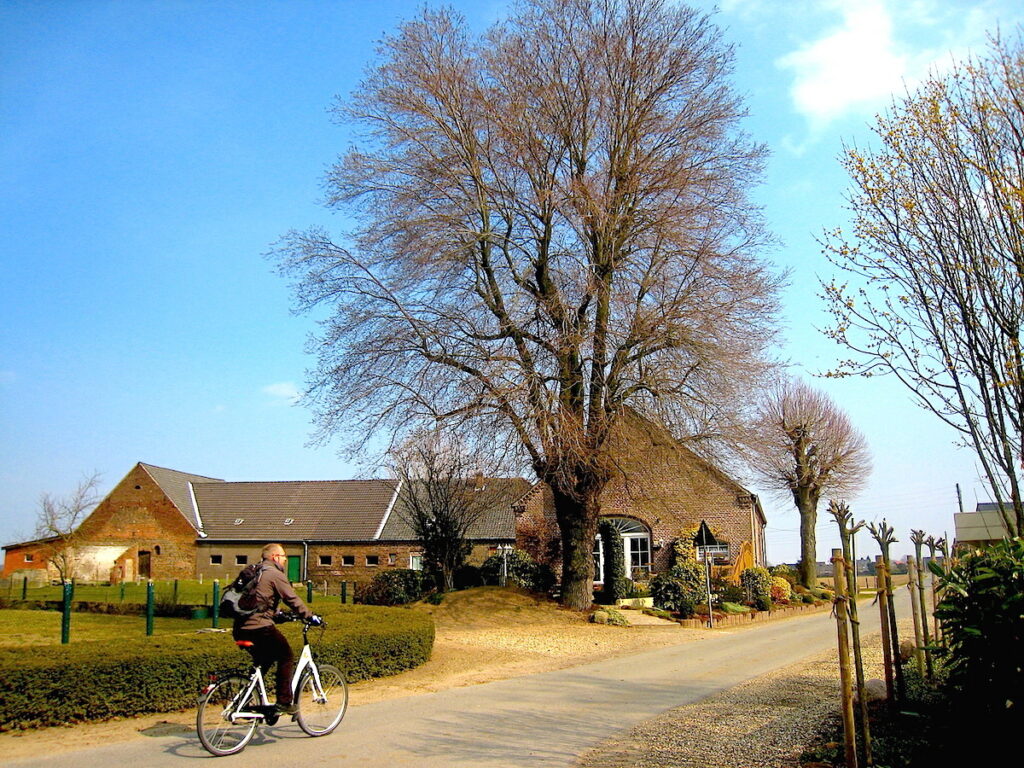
(24, 588)
(65, 619)
(215, 608)
(849, 726)
(150, 600)
(309, 592)
(122, 591)
(344, 592)
(174, 597)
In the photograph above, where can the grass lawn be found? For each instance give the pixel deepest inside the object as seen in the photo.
(39, 628)
(189, 592)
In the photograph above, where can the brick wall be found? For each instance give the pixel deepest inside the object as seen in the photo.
(138, 514)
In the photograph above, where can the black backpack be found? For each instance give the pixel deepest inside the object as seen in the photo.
(240, 600)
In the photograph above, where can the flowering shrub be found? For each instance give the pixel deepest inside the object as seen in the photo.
(781, 589)
(680, 589)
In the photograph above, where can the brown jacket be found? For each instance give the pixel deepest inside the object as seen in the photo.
(273, 587)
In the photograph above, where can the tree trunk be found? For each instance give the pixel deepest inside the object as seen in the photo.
(807, 568)
(577, 520)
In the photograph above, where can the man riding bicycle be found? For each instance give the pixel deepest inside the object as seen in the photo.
(269, 646)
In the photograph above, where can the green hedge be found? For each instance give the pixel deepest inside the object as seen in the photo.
(93, 681)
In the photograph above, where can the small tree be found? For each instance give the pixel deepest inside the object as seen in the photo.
(933, 290)
(805, 447)
(441, 498)
(59, 517)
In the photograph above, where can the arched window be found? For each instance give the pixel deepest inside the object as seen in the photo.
(636, 545)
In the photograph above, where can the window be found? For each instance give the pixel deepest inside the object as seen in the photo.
(348, 559)
(216, 559)
(416, 562)
(29, 557)
(326, 559)
(373, 560)
(241, 559)
(156, 550)
(716, 551)
(392, 559)
(289, 520)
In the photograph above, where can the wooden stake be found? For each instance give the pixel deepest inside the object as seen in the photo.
(845, 677)
(883, 610)
(915, 609)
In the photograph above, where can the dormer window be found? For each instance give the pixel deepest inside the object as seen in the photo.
(289, 520)
(239, 520)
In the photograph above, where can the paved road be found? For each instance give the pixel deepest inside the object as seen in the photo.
(540, 720)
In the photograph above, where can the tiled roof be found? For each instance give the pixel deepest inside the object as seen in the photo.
(175, 485)
(319, 510)
(497, 521)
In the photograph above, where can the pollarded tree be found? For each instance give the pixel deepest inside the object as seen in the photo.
(935, 261)
(552, 223)
(806, 447)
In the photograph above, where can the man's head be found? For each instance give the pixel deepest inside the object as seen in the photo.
(275, 552)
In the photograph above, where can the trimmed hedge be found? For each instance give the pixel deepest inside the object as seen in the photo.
(80, 682)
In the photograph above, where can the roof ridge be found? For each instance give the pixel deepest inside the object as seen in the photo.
(149, 466)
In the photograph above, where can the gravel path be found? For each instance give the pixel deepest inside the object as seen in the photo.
(766, 722)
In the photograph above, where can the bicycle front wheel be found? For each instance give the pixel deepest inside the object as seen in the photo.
(322, 707)
(220, 730)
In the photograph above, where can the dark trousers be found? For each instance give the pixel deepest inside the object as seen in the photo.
(269, 646)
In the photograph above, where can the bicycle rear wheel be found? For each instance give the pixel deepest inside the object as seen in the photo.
(321, 709)
(220, 732)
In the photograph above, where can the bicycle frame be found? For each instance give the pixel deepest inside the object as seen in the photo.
(256, 683)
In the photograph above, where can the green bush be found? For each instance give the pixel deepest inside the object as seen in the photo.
(783, 571)
(99, 681)
(982, 615)
(523, 571)
(615, 585)
(468, 576)
(394, 587)
(734, 608)
(758, 585)
(728, 592)
(609, 616)
(680, 589)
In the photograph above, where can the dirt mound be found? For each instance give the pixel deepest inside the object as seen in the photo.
(492, 607)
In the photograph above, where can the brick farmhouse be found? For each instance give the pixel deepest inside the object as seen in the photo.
(164, 524)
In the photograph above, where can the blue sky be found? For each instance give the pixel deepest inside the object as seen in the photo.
(152, 152)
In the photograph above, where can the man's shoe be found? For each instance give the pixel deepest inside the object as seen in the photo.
(287, 709)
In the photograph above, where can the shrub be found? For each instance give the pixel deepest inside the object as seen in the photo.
(523, 571)
(615, 584)
(785, 572)
(680, 589)
(468, 576)
(758, 585)
(609, 616)
(734, 608)
(982, 615)
(394, 587)
(100, 681)
(781, 589)
(728, 592)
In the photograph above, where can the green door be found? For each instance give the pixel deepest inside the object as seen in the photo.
(294, 567)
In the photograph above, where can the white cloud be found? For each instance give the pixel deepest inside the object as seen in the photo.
(284, 391)
(854, 65)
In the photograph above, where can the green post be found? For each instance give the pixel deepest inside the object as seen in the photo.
(174, 599)
(150, 603)
(24, 588)
(215, 609)
(309, 592)
(65, 619)
(344, 592)
(122, 591)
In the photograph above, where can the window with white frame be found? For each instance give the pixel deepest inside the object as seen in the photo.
(416, 562)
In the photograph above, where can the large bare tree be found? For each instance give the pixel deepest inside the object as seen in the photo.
(806, 447)
(58, 519)
(552, 222)
(934, 290)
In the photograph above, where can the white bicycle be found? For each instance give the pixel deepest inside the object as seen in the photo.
(232, 705)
